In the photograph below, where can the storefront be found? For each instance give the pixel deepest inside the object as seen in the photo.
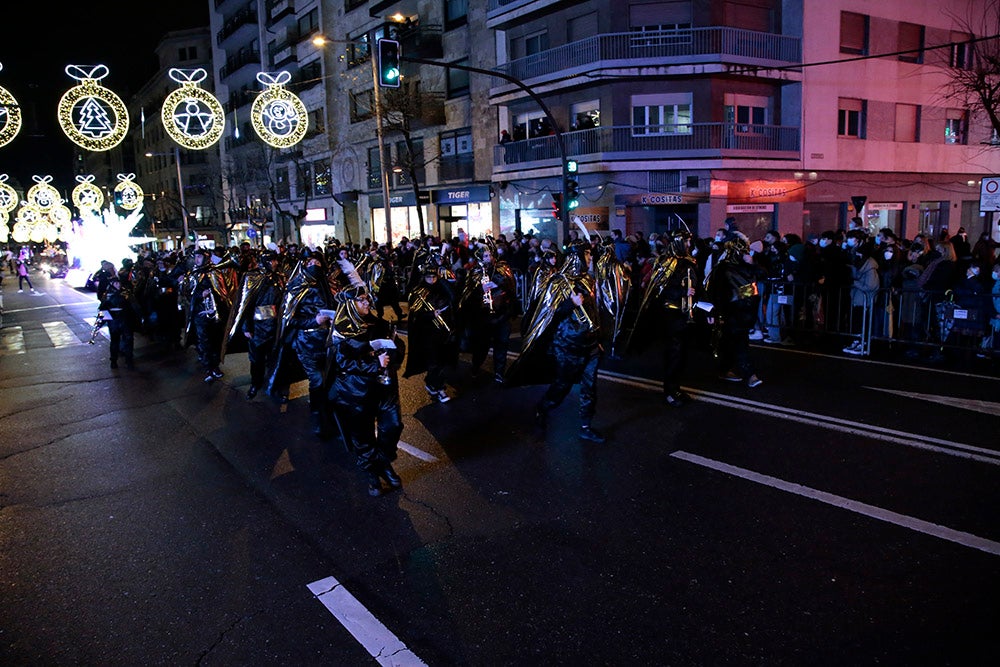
(885, 215)
(317, 229)
(756, 204)
(402, 213)
(469, 208)
(658, 213)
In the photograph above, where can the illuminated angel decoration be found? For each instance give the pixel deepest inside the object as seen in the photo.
(191, 115)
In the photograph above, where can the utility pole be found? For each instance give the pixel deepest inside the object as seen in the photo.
(380, 132)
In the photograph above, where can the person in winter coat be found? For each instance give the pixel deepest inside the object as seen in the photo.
(121, 325)
(364, 390)
(732, 289)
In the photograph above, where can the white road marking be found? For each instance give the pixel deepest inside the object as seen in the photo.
(902, 520)
(11, 341)
(980, 454)
(986, 407)
(52, 305)
(60, 334)
(417, 453)
(377, 639)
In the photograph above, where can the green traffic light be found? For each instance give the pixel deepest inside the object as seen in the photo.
(573, 203)
(391, 74)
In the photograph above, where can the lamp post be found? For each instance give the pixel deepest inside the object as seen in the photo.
(180, 190)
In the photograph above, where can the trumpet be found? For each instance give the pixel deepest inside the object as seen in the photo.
(98, 323)
(487, 292)
(688, 306)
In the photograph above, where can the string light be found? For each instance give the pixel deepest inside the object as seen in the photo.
(278, 116)
(92, 116)
(128, 194)
(10, 115)
(86, 196)
(8, 195)
(191, 115)
(42, 195)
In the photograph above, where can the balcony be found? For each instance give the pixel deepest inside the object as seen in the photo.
(283, 54)
(239, 61)
(279, 9)
(500, 14)
(694, 141)
(699, 51)
(242, 22)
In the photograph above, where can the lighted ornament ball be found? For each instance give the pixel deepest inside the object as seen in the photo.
(86, 196)
(192, 116)
(92, 116)
(129, 192)
(278, 116)
(10, 115)
(8, 195)
(4, 232)
(21, 232)
(42, 195)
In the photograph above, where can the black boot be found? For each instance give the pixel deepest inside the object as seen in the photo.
(374, 485)
(318, 418)
(389, 475)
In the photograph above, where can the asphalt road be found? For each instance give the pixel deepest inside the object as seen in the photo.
(843, 512)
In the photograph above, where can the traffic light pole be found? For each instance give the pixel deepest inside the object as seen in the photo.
(564, 210)
(380, 133)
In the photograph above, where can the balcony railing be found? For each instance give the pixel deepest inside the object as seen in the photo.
(665, 47)
(666, 142)
(278, 9)
(246, 16)
(241, 59)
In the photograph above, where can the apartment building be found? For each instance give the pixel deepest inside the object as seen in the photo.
(153, 155)
(684, 113)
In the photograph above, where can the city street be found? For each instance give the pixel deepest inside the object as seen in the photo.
(844, 512)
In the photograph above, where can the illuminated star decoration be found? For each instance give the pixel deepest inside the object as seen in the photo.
(86, 195)
(278, 116)
(92, 116)
(192, 116)
(129, 192)
(97, 237)
(10, 115)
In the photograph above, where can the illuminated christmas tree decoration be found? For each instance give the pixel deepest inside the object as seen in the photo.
(128, 194)
(10, 115)
(42, 195)
(278, 116)
(192, 116)
(87, 196)
(8, 195)
(92, 116)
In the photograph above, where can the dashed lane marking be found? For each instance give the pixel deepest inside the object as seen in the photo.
(60, 334)
(11, 341)
(417, 453)
(871, 511)
(377, 639)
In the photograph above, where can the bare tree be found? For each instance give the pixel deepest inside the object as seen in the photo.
(975, 65)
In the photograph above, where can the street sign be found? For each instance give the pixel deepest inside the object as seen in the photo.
(989, 195)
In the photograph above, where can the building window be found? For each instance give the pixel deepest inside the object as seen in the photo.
(353, 4)
(531, 125)
(458, 80)
(374, 169)
(362, 105)
(907, 122)
(955, 127)
(585, 115)
(282, 189)
(536, 43)
(405, 161)
(358, 51)
(456, 13)
(661, 114)
(911, 40)
(187, 53)
(457, 160)
(321, 178)
(303, 181)
(961, 50)
(747, 112)
(850, 118)
(853, 33)
(309, 23)
(317, 122)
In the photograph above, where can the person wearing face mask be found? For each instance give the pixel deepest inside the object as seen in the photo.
(972, 295)
(963, 250)
(834, 277)
(992, 341)
(732, 289)
(864, 269)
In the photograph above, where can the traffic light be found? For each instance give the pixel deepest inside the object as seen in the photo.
(572, 193)
(388, 63)
(557, 201)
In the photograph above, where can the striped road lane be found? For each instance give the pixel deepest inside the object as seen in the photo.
(11, 341)
(60, 334)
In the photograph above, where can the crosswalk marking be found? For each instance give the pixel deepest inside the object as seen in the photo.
(11, 341)
(60, 334)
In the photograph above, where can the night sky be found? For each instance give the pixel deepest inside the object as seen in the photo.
(117, 33)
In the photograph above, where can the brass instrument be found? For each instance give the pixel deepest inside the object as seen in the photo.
(487, 292)
(211, 308)
(688, 302)
(420, 302)
(98, 323)
(385, 377)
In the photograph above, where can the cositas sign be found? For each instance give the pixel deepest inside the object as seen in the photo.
(594, 218)
(765, 192)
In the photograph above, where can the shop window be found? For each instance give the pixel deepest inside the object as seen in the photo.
(851, 118)
(661, 114)
(853, 33)
(907, 127)
(955, 127)
(911, 42)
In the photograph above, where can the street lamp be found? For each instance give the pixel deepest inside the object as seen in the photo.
(180, 189)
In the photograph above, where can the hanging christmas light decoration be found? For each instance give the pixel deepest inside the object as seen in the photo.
(278, 116)
(8, 195)
(191, 115)
(60, 222)
(86, 196)
(42, 195)
(10, 115)
(92, 116)
(128, 194)
(4, 232)
(27, 218)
